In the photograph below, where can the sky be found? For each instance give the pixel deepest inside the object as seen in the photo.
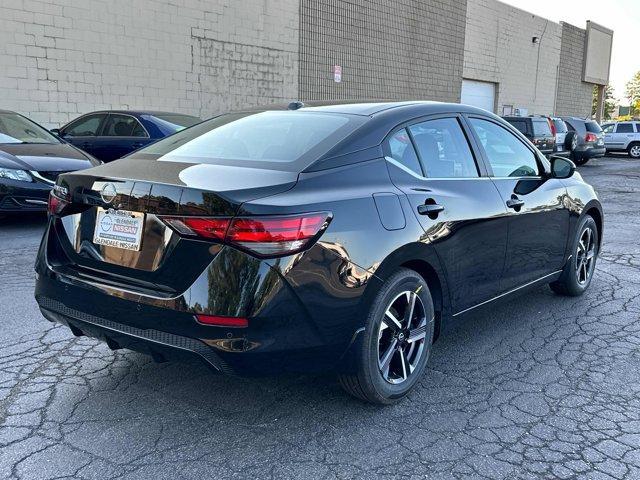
(621, 16)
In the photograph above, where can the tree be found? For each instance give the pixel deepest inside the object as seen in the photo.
(633, 93)
(609, 102)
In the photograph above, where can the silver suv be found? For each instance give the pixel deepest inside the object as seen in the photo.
(622, 137)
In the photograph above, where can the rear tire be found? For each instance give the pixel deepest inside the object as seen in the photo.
(634, 150)
(578, 271)
(396, 342)
(571, 141)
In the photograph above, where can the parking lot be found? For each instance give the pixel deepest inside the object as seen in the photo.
(541, 387)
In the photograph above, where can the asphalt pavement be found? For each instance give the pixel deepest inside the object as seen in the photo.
(540, 387)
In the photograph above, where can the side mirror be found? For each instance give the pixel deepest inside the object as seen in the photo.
(55, 131)
(561, 167)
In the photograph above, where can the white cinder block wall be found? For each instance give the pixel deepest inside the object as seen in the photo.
(499, 49)
(62, 58)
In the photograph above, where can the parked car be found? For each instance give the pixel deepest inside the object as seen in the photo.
(30, 161)
(622, 137)
(340, 237)
(109, 135)
(589, 139)
(538, 130)
(565, 143)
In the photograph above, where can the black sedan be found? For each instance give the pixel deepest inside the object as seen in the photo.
(30, 161)
(341, 237)
(112, 134)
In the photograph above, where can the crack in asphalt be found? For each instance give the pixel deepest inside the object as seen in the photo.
(543, 387)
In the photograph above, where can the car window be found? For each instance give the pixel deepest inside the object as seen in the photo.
(278, 140)
(541, 128)
(624, 128)
(170, 123)
(593, 127)
(520, 125)
(123, 126)
(85, 126)
(507, 155)
(443, 149)
(561, 126)
(401, 149)
(608, 128)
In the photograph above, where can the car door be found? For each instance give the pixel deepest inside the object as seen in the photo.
(608, 129)
(83, 132)
(459, 208)
(622, 136)
(121, 135)
(538, 216)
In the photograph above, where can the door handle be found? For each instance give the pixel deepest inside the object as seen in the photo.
(430, 208)
(515, 203)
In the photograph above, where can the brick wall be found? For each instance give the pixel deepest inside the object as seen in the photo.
(406, 49)
(574, 95)
(499, 49)
(61, 58)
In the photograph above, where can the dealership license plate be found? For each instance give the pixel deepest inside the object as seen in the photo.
(119, 228)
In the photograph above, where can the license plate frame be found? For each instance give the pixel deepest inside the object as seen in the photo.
(119, 229)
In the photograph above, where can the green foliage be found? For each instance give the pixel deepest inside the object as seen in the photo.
(609, 102)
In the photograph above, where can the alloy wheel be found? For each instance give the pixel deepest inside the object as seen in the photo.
(635, 151)
(401, 337)
(585, 256)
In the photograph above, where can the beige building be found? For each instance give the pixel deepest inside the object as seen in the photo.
(62, 58)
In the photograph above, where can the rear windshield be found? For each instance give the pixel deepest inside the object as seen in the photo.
(541, 128)
(561, 127)
(520, 125)
(281, 140)
(593, 127)
(172, 122)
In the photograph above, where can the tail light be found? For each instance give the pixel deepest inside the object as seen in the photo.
(266, 236)
(218, 321)
(58, 200)
(590, 137)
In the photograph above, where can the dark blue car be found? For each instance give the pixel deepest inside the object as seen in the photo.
(108, 135)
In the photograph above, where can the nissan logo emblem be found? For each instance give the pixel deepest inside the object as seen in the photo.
(108, 193)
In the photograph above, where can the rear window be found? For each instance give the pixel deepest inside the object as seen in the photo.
(593, 127)
(170, 123)
(520, 125)
(541, 128)
(280, 140)
(561, 127)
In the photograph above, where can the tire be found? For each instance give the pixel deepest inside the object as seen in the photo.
(580, 160)
(571, 141)
(634, 150)
(384, 373)
(578, 271)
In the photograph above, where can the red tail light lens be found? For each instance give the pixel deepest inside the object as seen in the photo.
(590, 137)
(267, 236)
(56, 205)
(234, 322)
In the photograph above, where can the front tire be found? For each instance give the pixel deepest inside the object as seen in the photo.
(396, 342)
(578, 272)
(634, 150)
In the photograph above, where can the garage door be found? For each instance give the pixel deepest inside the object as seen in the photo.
(479, 94)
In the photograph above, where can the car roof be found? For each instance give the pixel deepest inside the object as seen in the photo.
(7, 111)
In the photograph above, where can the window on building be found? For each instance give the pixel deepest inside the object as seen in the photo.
(507, 155)
(443, 149)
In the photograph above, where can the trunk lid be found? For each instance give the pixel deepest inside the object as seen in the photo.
(164, 262)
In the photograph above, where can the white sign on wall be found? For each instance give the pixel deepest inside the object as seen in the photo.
(337, 73)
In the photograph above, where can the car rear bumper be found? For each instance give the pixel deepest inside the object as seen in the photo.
(282, 335)
(590, 153)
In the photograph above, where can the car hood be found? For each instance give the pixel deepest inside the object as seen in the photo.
(47, 157)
